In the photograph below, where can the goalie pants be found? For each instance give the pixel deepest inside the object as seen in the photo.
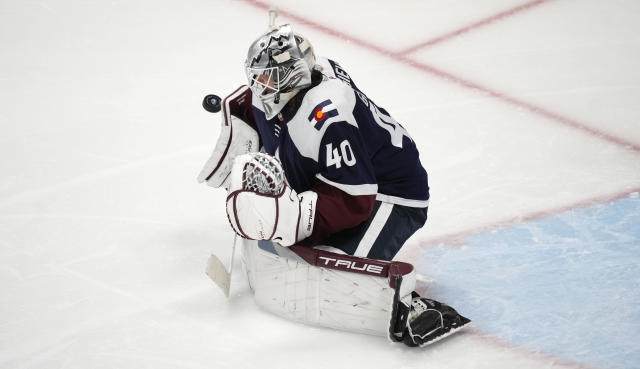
(383, 234)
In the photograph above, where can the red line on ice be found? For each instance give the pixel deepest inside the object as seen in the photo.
(447, 36)
(545, 360)
(552, 116)
(540, 111)
(322, 28)
(456, 237)
(402, 58)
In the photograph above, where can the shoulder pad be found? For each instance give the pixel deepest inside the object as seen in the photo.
(331, 102)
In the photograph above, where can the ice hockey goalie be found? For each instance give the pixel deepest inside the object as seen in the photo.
(324, 187)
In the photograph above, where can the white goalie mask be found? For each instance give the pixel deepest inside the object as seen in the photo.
(278, 65)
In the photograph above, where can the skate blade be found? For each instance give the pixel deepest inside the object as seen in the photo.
(446, 334)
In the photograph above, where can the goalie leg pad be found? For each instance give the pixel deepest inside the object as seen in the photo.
(289, 285)
(399, 314)
(379, 301)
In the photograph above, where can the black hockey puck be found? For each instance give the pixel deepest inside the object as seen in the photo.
(212, 103)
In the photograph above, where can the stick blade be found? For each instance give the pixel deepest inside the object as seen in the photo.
(218, 274)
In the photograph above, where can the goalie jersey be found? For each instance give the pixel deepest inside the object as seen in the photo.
(333, 136)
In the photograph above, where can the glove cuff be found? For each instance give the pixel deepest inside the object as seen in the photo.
(308, 202)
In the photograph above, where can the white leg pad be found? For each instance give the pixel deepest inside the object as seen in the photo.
(289, 286)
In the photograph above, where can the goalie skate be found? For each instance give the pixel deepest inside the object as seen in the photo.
(418, 321)
(429, 321)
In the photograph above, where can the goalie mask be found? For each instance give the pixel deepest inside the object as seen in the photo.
(278, 65)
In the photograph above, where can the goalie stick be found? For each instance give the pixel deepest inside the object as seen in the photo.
(218, 272)
(215, 269)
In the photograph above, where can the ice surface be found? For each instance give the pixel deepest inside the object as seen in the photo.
(105, 233)
(567, 283)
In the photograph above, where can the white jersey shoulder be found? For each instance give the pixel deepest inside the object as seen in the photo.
(331, 102)
(325, 67)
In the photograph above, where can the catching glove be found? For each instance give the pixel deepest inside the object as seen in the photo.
(236, 137)
(261, 206)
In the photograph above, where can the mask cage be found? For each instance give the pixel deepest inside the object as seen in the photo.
(264, 82)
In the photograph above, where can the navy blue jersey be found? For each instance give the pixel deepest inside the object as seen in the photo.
(339, 136)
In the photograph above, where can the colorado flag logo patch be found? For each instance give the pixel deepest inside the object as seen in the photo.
(319, 115)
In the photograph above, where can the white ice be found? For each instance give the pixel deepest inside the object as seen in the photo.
(104, 232)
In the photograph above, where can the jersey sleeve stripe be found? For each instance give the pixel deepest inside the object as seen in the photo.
(355, 190)
(372, 233)
(402, 201)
